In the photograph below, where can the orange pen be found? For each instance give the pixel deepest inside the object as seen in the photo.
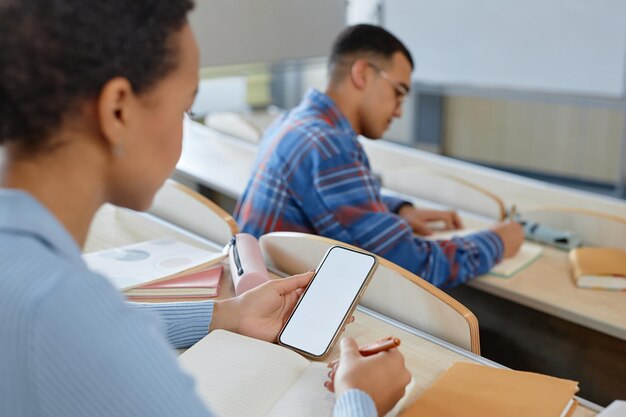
(380, 346)
(374, 348)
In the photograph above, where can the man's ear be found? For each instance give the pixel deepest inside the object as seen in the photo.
(359, 73)
(114, 110)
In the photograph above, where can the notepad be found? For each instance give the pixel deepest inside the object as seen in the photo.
(201, 284)
(240, 376)
(133, 265)
(527, 254)
(473, 390)
(602, 268)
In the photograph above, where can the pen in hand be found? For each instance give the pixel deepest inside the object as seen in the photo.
(512, 212)
(381, 345)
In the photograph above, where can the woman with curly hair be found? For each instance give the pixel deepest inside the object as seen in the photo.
(92, 97)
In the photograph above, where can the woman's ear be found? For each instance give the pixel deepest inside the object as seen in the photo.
(359, 74)
(114, 110)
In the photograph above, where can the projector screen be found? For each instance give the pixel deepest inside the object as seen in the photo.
(249, 31)
(575, 47)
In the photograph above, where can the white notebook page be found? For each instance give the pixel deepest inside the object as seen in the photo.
(240, 376)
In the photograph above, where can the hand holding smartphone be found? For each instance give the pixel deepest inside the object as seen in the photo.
(328, 301)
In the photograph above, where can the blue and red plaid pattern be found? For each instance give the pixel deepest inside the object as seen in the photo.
(312, 175)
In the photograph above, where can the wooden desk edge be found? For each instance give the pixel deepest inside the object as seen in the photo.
(550, 309)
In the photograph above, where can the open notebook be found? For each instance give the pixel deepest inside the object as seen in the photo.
(526, 255)
(240, 376)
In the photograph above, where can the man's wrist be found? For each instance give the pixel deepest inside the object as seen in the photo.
(403, 205)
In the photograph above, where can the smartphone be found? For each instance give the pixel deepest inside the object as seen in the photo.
(328, 301)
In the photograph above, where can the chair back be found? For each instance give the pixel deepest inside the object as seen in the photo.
(190, 210)
(393, 291)
(445, 189)
(235, 125)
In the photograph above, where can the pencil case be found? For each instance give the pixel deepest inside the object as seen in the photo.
(247, 266)
(562, 239)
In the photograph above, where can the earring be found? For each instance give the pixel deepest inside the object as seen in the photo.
(118, 150)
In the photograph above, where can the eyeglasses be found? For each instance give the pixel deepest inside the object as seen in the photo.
(401, 90)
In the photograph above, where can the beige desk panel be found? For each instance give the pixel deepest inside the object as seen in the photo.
(426, 360)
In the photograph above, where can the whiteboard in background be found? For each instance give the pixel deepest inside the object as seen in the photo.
(575, 47)
(249, 31)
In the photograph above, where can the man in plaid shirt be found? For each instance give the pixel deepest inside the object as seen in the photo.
(312, 175)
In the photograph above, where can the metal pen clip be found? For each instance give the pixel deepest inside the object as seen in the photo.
(232, 245)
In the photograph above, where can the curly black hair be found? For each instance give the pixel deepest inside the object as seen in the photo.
(55, 53)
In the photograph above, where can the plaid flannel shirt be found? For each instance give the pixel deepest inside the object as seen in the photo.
(312, 175)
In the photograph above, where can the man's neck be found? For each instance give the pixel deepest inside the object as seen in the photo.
(346, 106)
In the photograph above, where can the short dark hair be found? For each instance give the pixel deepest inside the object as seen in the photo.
(366, 39)
(53, 54)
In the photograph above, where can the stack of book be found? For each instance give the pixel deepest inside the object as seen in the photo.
(161, 268)
(198, 285)
(601, 268)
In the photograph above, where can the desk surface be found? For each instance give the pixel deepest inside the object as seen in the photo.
(547, 285)
(426, 357)
(224, 164)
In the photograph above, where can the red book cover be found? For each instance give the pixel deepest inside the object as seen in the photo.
(200, 284)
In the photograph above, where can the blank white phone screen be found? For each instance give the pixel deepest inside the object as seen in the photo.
(327, 300)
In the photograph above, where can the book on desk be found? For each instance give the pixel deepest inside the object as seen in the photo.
(468, 389)
(134, 265)
(599, 268)
(198, 285)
